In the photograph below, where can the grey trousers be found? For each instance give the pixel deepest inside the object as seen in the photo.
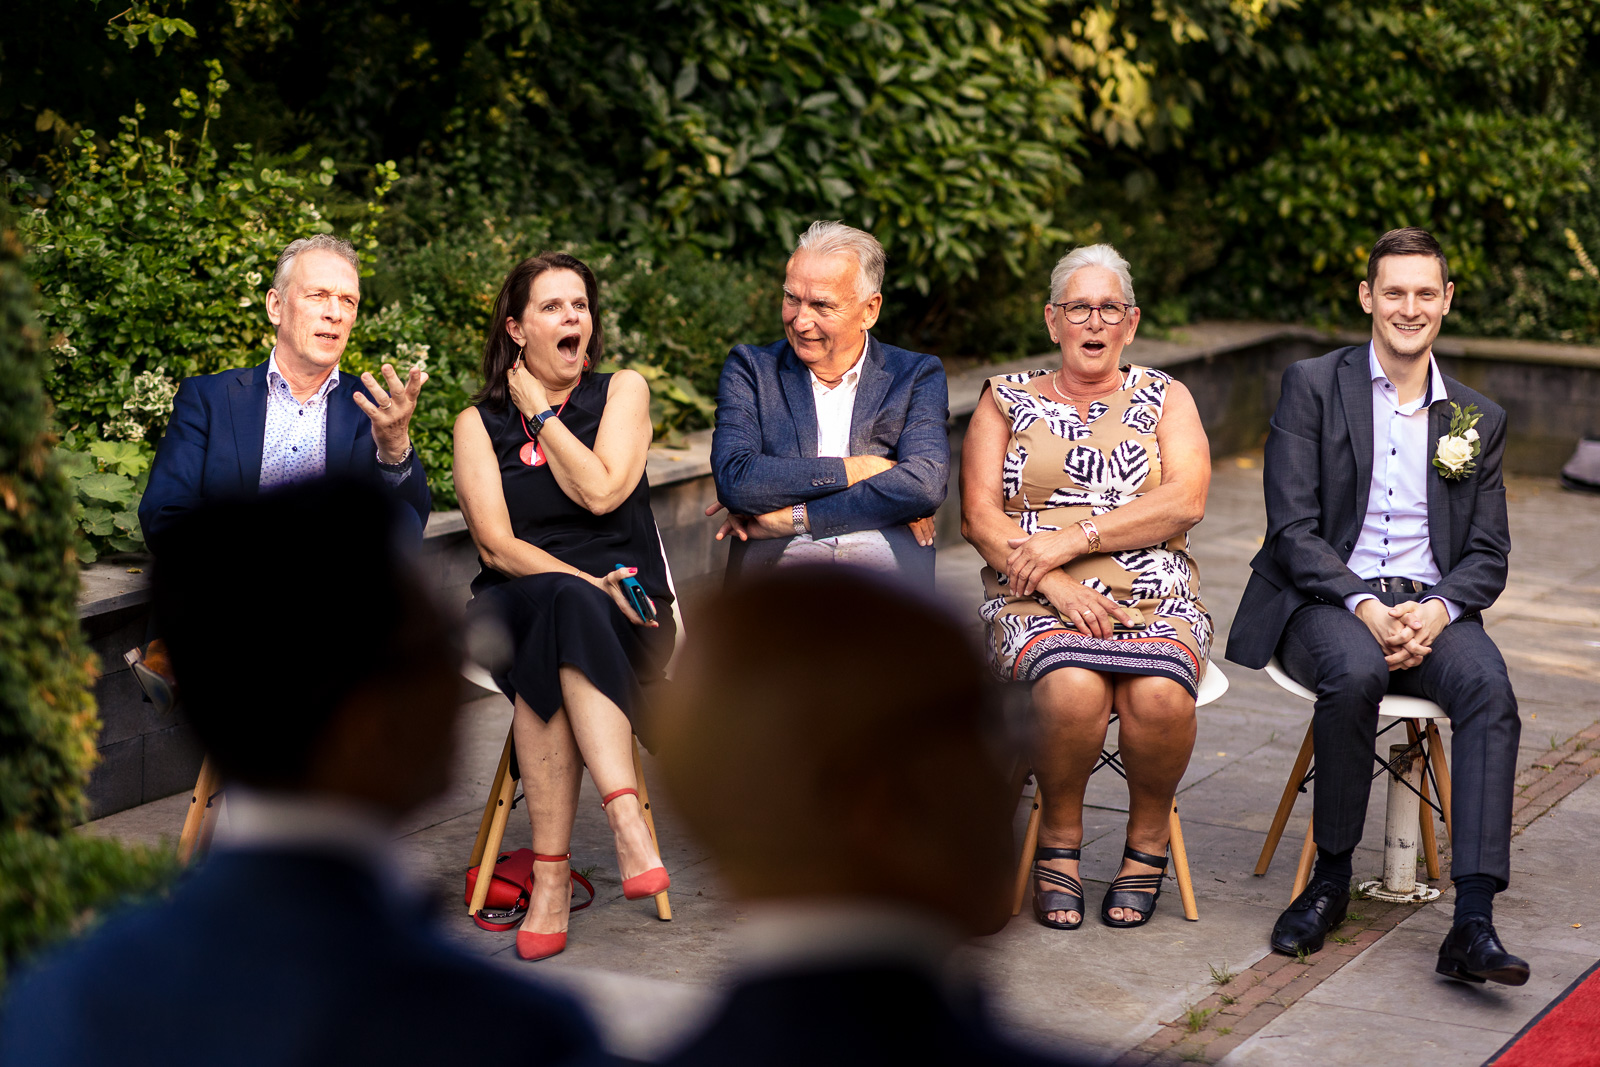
(1328, 650)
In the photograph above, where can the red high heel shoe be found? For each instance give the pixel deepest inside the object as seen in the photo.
(651, 882)
(531, 946)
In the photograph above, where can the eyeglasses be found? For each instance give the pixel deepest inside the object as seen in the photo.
(1078, 312)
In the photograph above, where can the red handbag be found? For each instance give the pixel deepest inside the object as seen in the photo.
(510, 885)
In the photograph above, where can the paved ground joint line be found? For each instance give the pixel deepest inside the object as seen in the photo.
(1247, 1001)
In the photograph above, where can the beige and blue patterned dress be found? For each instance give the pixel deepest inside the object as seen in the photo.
(1063, 465)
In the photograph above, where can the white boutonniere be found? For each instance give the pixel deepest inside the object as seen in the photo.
(1460, 447)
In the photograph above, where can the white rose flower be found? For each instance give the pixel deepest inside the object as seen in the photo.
(1454, 452)
(1471, 434)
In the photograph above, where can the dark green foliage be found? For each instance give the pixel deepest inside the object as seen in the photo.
(48, 882)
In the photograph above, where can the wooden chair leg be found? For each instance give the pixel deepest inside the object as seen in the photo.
(1302, 764)
(491, 804)
(1030, 841)
(194, 819)
(1180, 863)
(663, 905)
(1430, 846)
(1302, 874)
(500, 796)
(1438, 760)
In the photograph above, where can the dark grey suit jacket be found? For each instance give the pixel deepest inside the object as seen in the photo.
(1318, 474)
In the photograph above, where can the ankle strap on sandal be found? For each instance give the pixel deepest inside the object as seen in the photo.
(1055, 854)
(609, 797)
(551, 859)
(1131, 853)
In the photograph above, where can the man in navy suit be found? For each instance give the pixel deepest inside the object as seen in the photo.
(830, 446)
(299, 939)
(295, 416)
(1386, 539)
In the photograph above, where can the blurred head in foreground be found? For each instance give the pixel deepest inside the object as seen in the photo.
(829, 735)
(301, 674)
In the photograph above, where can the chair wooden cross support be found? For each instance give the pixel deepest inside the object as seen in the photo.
(1435, 777)
(1212, 686)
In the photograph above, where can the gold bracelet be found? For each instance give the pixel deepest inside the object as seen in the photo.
(1092, 533)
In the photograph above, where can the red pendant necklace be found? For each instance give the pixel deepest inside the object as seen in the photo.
(532, 453)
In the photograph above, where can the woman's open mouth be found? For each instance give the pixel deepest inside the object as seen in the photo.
(1093, 348)
(568, 345)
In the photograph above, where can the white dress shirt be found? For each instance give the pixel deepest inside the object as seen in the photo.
(295, 445)
(836, 407)
(1394, 536)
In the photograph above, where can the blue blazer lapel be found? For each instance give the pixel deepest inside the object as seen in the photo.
(344, 424)
(1355, 392)
(247, 405)
(1438, 489)
(796, 381)
(871, 387)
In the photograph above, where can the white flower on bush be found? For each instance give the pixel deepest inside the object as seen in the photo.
(252, 278)
(152, 394)
(65, 349)
(123, 428)
(245, 301)
(1454, 452)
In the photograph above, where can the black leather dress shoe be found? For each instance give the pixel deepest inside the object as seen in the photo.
(1304, 925)
(1472, 952)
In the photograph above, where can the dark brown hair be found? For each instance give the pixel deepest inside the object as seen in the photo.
(1407, 241)
(500, 352)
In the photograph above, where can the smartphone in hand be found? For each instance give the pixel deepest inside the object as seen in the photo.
(636, 595)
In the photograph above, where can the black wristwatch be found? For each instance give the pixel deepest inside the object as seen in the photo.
(540, 419)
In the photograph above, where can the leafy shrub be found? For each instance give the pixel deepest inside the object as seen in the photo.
(48, 882)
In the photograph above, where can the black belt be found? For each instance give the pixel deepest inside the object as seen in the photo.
(1397, 585)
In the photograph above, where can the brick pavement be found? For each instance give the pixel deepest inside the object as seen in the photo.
(1247, 1001)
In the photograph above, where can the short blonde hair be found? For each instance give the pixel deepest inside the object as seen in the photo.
(835, 238)
(1101, 255)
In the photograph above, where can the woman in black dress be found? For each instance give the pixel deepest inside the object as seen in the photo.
(549, 468)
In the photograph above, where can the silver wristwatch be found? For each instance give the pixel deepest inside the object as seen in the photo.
(399, 464)
(797, 515)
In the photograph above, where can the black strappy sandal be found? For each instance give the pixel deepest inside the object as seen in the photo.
(1134, 892)
(1047, 900)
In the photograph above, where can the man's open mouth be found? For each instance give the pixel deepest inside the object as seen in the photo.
(327, 336)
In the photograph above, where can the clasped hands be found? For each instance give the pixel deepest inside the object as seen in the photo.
(1406, 631)
(780, 523)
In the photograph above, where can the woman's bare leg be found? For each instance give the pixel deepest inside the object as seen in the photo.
(1071, 709)
(605, 740)
(552, 770)
(1155, 737)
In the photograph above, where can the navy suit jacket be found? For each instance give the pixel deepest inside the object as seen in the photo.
(862, 1016)
(764, 449)
(269, 958)
(212, 447)
(1318, 475)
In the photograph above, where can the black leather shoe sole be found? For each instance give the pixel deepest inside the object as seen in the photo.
(1512, 975)
(1281, 942)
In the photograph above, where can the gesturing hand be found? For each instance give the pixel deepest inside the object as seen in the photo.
(527, 392)
(1034, 556)
(391, 410)
(1079, 606)
(611, 585)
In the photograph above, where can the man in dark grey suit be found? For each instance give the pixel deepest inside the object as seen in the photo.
(1386, 539)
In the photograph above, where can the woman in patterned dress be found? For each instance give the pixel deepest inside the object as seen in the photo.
(1079, 485)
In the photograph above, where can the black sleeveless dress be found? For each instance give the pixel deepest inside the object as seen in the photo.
(556, 619)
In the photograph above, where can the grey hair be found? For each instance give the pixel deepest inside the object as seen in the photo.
(835, 238)
(320, 242)
(1091, 256)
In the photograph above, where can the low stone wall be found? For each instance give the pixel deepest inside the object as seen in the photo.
(1551, 393)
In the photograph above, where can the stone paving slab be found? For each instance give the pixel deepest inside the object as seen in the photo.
(1106, 992)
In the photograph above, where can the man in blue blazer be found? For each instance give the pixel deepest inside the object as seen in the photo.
(299, 939)
(1386, 539)
(830, 446)
(295, 416)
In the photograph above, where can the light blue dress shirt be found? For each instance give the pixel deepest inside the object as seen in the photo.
(295, 445)
(1394, 536)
